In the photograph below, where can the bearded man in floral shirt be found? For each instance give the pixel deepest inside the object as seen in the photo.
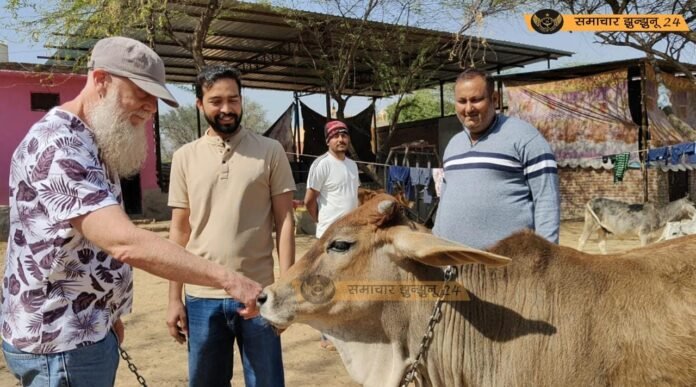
(68, 277)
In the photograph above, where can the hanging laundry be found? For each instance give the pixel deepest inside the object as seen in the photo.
(400, 176)
(682, 149)
(658, 155)
(620, 166)
(427, 197)
(438, 178)
(420, 176)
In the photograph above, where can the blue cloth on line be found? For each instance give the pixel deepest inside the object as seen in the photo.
(420, 176)
(691, 159)
(659, 155)
(678, 150)
(400, 176)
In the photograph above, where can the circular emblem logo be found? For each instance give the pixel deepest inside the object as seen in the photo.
(547, 21)
(318, 289)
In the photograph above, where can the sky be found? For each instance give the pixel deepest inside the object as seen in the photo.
(509, 28)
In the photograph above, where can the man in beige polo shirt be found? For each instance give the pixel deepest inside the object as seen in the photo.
(227, 190)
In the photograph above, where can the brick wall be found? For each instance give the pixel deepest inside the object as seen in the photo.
(579, 185)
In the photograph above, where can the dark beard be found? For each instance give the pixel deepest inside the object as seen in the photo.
(225, 129)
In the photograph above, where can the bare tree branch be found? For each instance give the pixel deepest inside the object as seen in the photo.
(668, 46)
(201, 32)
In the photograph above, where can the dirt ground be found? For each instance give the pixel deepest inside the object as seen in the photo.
(163, 362)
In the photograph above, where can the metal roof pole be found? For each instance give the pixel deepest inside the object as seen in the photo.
(158, 152)
(328, 106)
(198, 121)
(442, 98)
(158, 139)
(499, 86)
(373, 132)
(296, 137)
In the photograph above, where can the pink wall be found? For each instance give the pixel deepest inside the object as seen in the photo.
(16, 117)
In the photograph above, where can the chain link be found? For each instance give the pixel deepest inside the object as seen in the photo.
(412, 370)
(132, 366)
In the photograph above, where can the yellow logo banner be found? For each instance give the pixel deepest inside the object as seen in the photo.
(610, 23)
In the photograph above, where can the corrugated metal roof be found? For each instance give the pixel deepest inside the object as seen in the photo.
(268, 49)
(586, 70)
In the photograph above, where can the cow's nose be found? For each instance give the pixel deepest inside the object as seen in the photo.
(261, 298)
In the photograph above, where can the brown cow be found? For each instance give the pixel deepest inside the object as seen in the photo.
(553, 317)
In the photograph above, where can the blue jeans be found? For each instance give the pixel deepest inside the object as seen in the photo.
(214, 325)
(88, 366)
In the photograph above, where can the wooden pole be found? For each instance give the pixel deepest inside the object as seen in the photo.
(198, 121)
(644, 135)
(442, 98)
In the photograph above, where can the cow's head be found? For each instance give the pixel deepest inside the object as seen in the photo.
(375, 243)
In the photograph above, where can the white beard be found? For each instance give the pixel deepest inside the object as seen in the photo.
(123, 146)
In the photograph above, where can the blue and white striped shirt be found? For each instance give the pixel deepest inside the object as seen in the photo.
(505, 182)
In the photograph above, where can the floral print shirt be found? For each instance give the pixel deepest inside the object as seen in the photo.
(59, 291)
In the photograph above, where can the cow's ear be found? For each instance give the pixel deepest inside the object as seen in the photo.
(380, 209)
(434, 251)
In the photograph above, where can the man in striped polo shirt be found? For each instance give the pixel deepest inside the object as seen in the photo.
(500, 173)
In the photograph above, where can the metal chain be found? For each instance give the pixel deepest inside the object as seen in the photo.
(132, 366)
(412, 370)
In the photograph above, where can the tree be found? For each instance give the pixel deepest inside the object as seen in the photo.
(179, 126)
(347, 49)
(421, 105)
(667, 46)
(255, 117)
(53, 21)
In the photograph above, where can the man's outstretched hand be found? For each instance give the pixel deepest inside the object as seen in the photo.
(244, 290)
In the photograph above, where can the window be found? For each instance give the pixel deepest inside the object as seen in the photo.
(43, 102)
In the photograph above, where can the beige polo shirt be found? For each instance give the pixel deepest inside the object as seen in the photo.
(227, 186)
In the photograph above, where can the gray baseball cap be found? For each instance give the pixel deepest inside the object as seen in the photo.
(131, 59)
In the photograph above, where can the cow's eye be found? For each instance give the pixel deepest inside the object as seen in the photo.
(340, 246)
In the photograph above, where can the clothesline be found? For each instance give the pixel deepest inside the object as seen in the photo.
(630, 152)
(603, 157)
(410, 174)
(614, 154)
(357, 161)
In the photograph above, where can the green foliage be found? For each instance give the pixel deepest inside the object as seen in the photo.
(75, 24)
(255, 117)
(178, 127)
(421, 105)
(77, 21)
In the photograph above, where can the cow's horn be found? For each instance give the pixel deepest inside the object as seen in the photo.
(385, 207)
